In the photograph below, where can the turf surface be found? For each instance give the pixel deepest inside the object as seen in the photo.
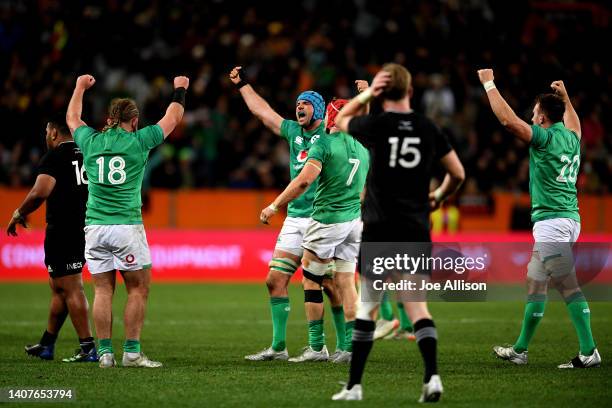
(202, 332)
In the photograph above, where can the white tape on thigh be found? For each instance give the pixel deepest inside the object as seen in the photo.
(345, 266)
(535, 269)
(318, 268)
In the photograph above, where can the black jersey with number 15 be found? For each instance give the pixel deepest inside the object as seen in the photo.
(67, 202)
(403, 147)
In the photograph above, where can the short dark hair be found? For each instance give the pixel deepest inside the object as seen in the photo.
(552, 106)
(58, 121)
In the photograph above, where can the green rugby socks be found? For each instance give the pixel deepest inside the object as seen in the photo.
(348, 342)
(131, 346)
(386, 309)
(339, 325)
(534, 312)
(405, 323)
(580, 314)
(105, 346)
(316, 337)
(279, 306)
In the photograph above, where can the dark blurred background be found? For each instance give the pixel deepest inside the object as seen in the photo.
(134, 48)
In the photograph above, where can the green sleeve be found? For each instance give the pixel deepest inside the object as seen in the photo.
(81, 133)
(319, 151)
(539, 137)
(286, 126)
(150, 137)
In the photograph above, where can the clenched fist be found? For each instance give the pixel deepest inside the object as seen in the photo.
(85, 82)
(485, 75)
(181, 82)
(362, 85)
(559, 88)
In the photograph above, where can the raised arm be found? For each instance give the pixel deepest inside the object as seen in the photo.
(502, 110)
(455, 175)
(362, 86)
(174, 113)
(296, 188)
(38, 194)
(75, 107)
(570, 117)
(356, 105)
(256, 104)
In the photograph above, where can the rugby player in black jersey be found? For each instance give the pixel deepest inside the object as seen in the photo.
(62, 183)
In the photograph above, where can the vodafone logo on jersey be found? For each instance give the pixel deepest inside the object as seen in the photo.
(302, 156)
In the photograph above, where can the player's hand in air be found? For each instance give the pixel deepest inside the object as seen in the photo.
(485, 75)
(362, 85)
(11, 229)
(559, 88)
(181, 82)
(267, 213)
(85, 82)
(380, 83)
(234, 76)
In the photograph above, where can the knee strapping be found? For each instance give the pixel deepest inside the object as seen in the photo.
(283, 265)
(313, 296)
(536, 269)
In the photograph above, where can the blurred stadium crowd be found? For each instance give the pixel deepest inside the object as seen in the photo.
(134, 48)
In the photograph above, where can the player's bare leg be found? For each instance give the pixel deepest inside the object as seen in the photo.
(315, 270)
(282, 267)
(137, 284)
(104, 287)
(58, 311)
(71, 289)
(534, 312)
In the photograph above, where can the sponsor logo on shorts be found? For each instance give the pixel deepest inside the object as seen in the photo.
(130, 259)
(49, 269)
(74, 265)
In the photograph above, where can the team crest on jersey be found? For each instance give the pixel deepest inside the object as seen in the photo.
(302, 156)
(299, 140)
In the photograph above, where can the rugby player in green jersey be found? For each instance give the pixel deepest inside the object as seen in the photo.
(115, 239)
(300, 134)
(554, 161)
(340, 164)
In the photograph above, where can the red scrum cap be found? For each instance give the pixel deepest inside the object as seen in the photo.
(332, 111)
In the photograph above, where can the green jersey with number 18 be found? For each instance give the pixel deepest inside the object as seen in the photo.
(115, 161)
(300, 141)
(345, 163)
(554, 161)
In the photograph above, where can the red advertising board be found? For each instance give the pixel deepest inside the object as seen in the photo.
(191, 255)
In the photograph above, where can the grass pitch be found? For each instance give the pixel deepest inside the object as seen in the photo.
(202, 332)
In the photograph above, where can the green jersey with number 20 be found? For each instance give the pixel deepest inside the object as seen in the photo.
(554, 161)
(345, 163)
(115, 161)
(300, 141)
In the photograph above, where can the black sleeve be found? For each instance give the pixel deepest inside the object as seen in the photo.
(442, 145)
(48, 164)
(362, 128)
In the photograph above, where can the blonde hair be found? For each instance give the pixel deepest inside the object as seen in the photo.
(401, 81)
(121, 110)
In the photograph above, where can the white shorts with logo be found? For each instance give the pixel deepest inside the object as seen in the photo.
(340, 240)
(112, 247)
(291, 235)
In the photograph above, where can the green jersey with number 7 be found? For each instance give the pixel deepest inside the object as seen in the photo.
(554, 161)
(115, 161)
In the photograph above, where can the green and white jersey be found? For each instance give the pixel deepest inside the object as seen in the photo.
(115, 161)
(345, 165)
(300, 141)
(554, 161)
